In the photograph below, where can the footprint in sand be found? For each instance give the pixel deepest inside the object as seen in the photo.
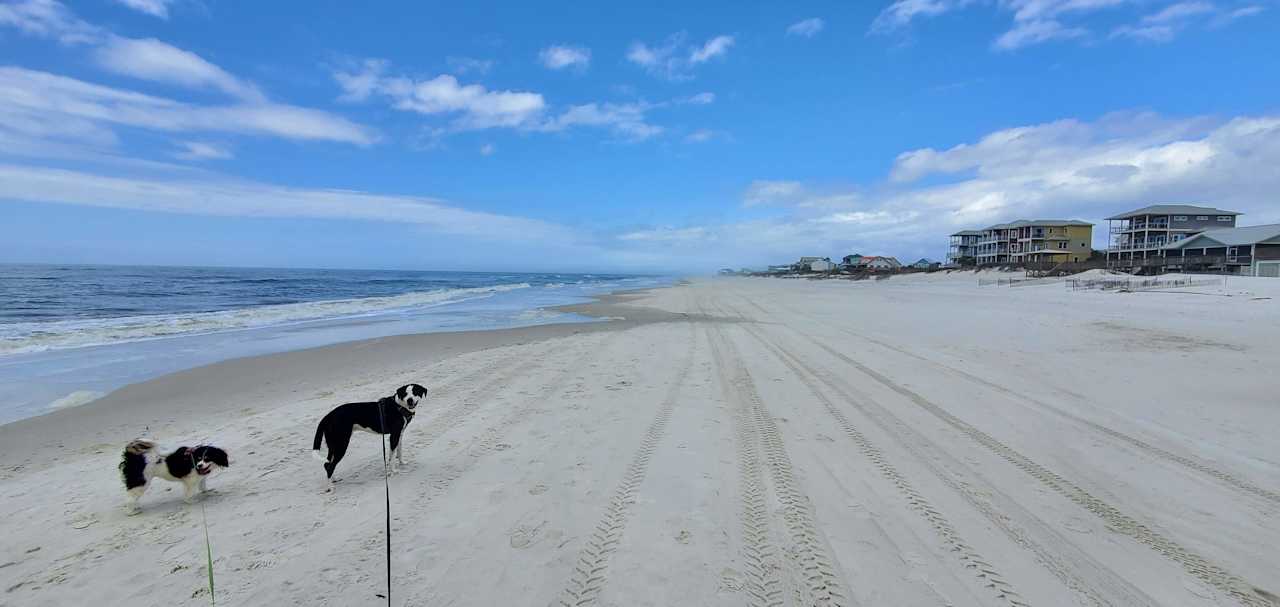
(1077, 525)
(537, 489)
(684, 537)
(525, 536)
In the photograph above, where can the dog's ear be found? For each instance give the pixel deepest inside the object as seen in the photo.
(419, 390)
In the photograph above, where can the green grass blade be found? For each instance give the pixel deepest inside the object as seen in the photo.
(208, 555)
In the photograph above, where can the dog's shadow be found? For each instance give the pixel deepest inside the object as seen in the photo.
(369, 473)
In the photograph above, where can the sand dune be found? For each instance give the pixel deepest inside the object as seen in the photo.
(918, 441)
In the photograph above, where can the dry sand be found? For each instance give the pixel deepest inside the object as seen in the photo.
(918, 441)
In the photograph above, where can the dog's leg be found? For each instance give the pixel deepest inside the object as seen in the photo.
(131, 504)
(337, 449)
(395, 452)
(190, 489)
(202, 487)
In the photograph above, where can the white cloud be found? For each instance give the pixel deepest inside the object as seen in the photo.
(155, 8)
(674, 59)
(473, 106)
(705, 98)
(625, 119)
(468, 65)
(49, 19)
(1040, 21)
(772, 192)
(32, 97)
(1179, 11)
(199, 150)
(560, 57)
(1239, 13)
(151, 59)
(1028, 33)
(487, 149)
(236, 198)
(715, 47)
(666, 235)
(902, 12)
(807, 28)
(700, 136)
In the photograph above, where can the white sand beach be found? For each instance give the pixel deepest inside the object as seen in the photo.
(915, 441)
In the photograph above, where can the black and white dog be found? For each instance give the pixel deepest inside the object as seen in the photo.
(389, 415)
(143, 460)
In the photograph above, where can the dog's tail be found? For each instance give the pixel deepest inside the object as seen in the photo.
(315, 445)
(140, 446)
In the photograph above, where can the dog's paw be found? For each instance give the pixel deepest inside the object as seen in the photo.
(132, 511)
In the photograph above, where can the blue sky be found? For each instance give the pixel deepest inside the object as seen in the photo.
(663, 136)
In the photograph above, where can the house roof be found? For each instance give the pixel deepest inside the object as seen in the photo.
(1173, 209)
(1052, 223)
(968, 233)
(1231, 237)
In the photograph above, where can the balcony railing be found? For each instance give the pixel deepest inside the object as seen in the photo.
(1187, 261)
(1132, 227)
(1137, 246)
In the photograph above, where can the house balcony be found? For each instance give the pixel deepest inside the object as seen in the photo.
(1138, 227)
(1137, 246)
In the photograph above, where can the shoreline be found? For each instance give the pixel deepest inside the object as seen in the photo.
(275, 376)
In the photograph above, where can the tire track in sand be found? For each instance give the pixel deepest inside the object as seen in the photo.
(757, 432)
(986, 573)
(1226, 478)
(1076, 571)
(590, 573)
(1116, 520)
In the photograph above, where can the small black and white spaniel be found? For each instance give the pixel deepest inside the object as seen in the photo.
(144, 460)
(390, 415)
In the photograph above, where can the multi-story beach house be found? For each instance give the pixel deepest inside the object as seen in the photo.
(1137, 239)
(964, 245)
(1035, 240)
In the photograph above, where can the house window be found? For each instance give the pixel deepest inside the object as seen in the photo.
(1179, 217)
(1202, 218)
(1224, 218)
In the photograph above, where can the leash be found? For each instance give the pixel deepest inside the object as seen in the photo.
(386, 484)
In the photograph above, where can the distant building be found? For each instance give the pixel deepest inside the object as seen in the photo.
(1035, 240)
(876, 263)
(781, 269)
(821, 265)
(805, 263)
(924, 264)
(1252, 251)
(1138, 238)
(964, 245)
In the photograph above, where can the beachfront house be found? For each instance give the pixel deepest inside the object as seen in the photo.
(924, 264)
(805, 264)
(1251, 251)
(1137, 239)
(848, 262)
(964, 246)
(822, 265)
(879, 264)
(1035, 240)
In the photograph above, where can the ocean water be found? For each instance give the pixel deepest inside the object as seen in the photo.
(70, 333)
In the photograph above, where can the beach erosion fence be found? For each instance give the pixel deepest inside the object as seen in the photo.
(1141, 284)
(1014, 282)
